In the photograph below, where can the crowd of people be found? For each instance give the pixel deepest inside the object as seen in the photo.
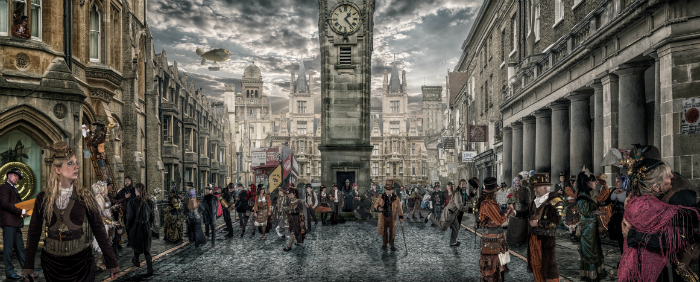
(651, 213)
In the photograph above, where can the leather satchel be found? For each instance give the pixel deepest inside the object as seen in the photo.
(490, 248)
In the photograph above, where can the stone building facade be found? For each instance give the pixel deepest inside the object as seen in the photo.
(573, 79)
(113, 76)
(252, 118)
(195, 133)
(55, 81)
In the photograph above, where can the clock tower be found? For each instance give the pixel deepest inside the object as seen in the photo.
(345, 37)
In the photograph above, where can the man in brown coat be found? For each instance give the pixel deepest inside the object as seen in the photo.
(543, 218)
(389, 207)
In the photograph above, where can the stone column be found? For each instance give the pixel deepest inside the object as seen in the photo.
(560, 137)
(610, 113)
(529, 143)
(581, 145)
(517, 162)
(507, 154)
(598, 152)
(657, 99)
(543, 147)
(632, 106)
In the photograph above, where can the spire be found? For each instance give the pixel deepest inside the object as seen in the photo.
(394, 83)
(301, 80)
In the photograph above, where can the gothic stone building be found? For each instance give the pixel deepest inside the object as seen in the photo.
(573, 79)
(75, 63)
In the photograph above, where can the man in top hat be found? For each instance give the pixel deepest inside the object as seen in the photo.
(438, 200)
(11, 221)
(559, 188)
(210, 205)
(543, 218)
(336, 204)
(449, 218)
(311, 204)
(389, 207)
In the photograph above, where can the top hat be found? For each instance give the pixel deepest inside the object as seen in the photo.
(16, 171)
(562, 174)
(474, 182)
(490, 184)
(308, 185)
(540, 179)
(190, 184)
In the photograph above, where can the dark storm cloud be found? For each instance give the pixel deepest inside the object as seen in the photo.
(424, 35)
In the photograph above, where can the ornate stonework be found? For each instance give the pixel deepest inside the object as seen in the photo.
(101, 94)
(59, 110)
(106, 75)
(22, 61)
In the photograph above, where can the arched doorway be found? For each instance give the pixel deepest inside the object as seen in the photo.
(36, 132)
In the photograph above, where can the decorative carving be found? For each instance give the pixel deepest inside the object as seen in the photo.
(22, 61)
(101, 94)
(60, 110)
(106, 75)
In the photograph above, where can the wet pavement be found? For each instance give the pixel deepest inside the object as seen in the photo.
(345, 252)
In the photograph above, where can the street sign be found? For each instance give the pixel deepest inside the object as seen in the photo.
(468, 156)
(478, 133)
(448, 142)
(259, 157)
(275, 178)
(272, 156)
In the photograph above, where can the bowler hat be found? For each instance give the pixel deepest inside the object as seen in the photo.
(17, 172)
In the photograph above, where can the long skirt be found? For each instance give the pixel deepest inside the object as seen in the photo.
(77, 267)
(296, 227)
(194, 231)
(590, 251)
(173, 227)
(323, 207)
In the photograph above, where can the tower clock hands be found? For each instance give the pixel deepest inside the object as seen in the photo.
(346, 20)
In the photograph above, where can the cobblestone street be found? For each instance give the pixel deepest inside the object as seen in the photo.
(345, 252)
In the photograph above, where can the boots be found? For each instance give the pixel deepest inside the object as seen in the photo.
(135, 261)
(291, 240)
(242, 232)
(149, 267)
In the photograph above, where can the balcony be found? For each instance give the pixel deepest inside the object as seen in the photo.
(171, 151)
(191, 157)
(215, 165)
(190, 121)
(203, 132)
(214, 138)
(169, 107)
(203, 162)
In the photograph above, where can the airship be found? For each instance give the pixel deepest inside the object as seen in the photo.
(214, 55)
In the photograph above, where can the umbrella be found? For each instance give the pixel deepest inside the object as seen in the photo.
(612, 158)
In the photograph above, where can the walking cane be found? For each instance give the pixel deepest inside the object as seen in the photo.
(404, 237)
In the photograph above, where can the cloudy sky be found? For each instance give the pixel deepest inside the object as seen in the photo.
(425, 36)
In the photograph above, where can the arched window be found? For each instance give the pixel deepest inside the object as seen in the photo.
(94, 34)
(36, 19)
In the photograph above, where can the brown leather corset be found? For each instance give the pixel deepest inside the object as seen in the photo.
(65, 238)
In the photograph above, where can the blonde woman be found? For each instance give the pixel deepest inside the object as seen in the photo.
(99, 189)
(62, 209)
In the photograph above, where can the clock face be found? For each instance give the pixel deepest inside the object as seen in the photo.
(345, 19)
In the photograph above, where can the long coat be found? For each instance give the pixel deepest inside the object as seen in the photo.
(452, 210)
(9, 214)
(210, 207)
(396, 209)
(548, 218)
(139, 219)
